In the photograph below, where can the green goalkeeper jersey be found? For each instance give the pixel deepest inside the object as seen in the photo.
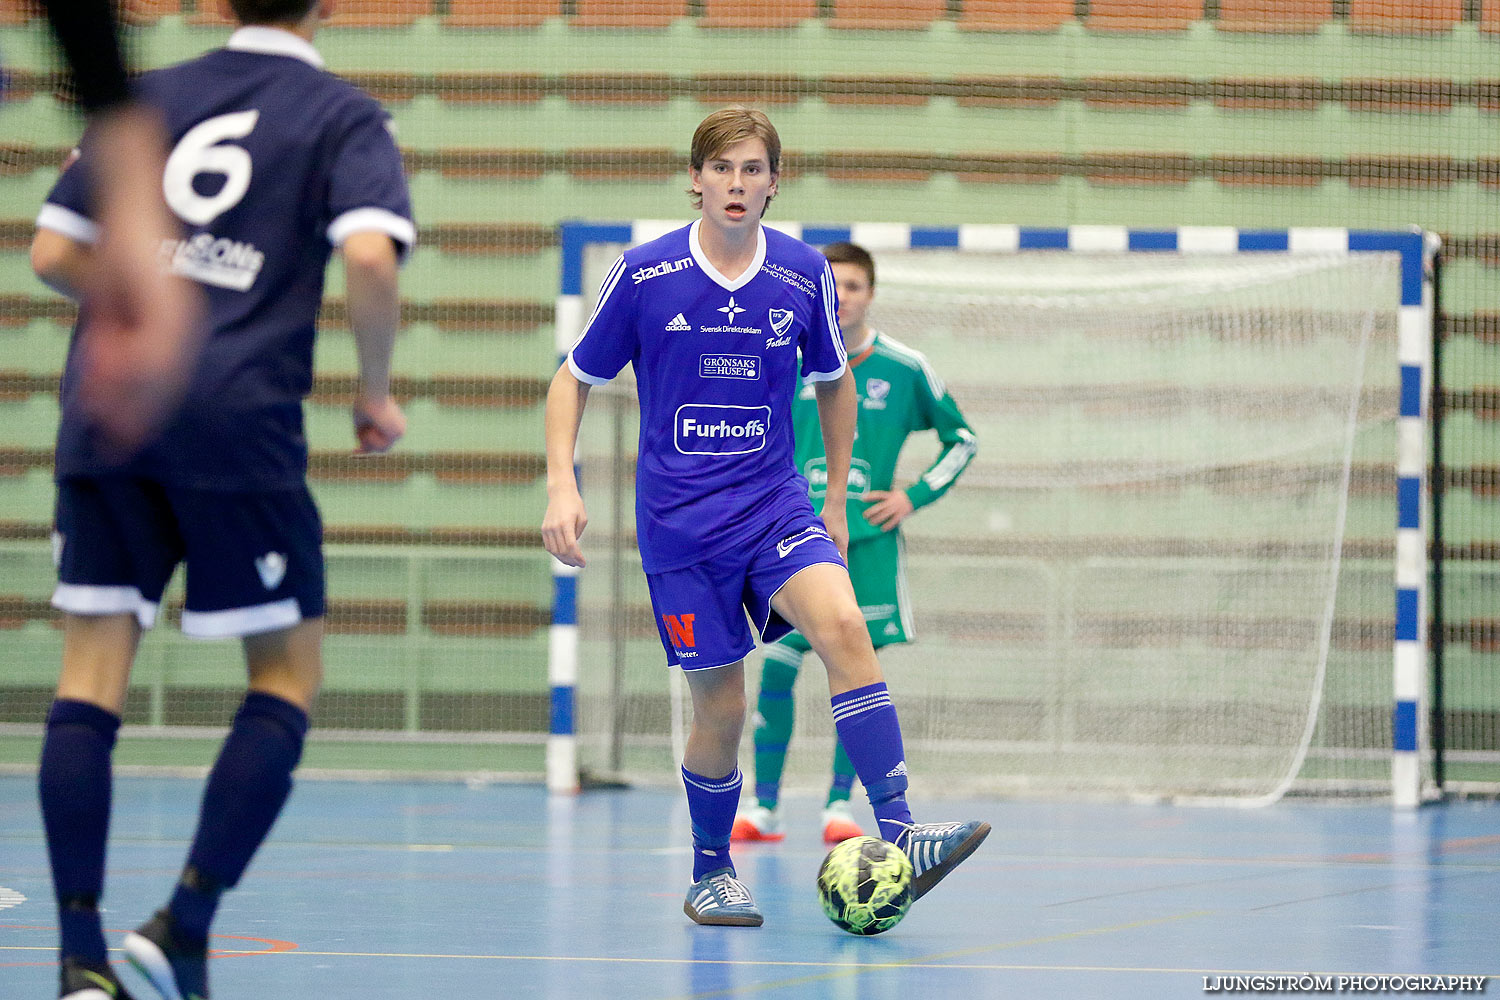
(899, 394)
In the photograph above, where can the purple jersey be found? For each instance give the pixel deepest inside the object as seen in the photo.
(715, 365)
(274, 162)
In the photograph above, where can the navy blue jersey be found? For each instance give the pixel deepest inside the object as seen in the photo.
(716, 364)
(274, 162)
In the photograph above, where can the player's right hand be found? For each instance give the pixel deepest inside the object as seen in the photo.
(836, 523)
(563, 524)
(378, 424)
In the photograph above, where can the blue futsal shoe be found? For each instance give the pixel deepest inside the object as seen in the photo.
(720, 899)
(178, 970)
(935, 849)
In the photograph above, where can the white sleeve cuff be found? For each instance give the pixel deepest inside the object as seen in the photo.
(379, 220)
(582, 375)
(68, 222)
(826, 376)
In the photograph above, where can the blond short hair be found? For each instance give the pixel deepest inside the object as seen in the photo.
(726, 127)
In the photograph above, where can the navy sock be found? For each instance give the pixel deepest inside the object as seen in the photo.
(74, 787)
(248, 786)
(711, 805)
(871, 735)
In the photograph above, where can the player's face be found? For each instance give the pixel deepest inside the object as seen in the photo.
(855, 293)
(735, 185)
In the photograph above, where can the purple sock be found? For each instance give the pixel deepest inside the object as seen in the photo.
(871, 735)
(711, 804)
(74, 786)
(248, 786)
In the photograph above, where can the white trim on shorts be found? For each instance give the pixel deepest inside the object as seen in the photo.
(714, 666)
(761, 632)
(91, 600)
(903, 591)
(237, 623)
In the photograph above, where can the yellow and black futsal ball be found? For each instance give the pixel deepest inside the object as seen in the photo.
(865, 885)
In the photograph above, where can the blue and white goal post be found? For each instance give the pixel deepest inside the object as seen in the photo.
(1414, 250)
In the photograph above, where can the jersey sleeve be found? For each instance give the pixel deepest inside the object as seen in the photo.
(937, 411)
(69, 208)
(823, 358)
(608, 341)
(367, 190)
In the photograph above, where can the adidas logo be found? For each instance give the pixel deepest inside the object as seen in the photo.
(896, 771)
(679, 325)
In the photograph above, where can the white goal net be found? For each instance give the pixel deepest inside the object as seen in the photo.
(1167, 573)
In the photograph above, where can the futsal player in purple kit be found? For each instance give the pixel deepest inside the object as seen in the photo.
(717, 319)
(273, 163)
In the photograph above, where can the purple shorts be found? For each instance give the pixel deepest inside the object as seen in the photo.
(701, 609)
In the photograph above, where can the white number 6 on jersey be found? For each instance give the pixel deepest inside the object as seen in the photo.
(200, 152)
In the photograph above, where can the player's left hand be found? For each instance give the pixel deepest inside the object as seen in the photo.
(888, 508)
(378, 424)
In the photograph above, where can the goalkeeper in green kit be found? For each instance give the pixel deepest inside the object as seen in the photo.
(899, 394)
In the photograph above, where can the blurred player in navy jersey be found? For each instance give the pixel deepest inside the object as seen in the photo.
(273, 164)
(715, 318)
(143, 329)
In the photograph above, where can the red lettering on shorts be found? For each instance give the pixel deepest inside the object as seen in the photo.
(680, 630)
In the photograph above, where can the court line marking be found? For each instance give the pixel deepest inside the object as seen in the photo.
(1416, 858)
(1460, 845)
(930, 962)
(1357, 890)
(274, 946)
(1448, 854)
(938, 961)
(1158, 887)
(1457, 871)
(935, 961)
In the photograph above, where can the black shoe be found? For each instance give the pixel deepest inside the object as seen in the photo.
(178, 970)
(85, 980)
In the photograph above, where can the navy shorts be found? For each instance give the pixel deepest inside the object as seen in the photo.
(701, 609)
(254, 560)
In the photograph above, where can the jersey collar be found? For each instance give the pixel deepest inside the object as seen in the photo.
(274, 42)
(750, 272)
(862, 351)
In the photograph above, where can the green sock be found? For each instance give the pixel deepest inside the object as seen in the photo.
(774, 714)
(843, 774)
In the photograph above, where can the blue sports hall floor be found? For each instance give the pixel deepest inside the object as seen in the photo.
(427, 890)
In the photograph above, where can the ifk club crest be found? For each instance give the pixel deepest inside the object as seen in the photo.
(781, 321)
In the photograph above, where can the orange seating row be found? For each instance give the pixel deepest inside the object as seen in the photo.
(1267, 16)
